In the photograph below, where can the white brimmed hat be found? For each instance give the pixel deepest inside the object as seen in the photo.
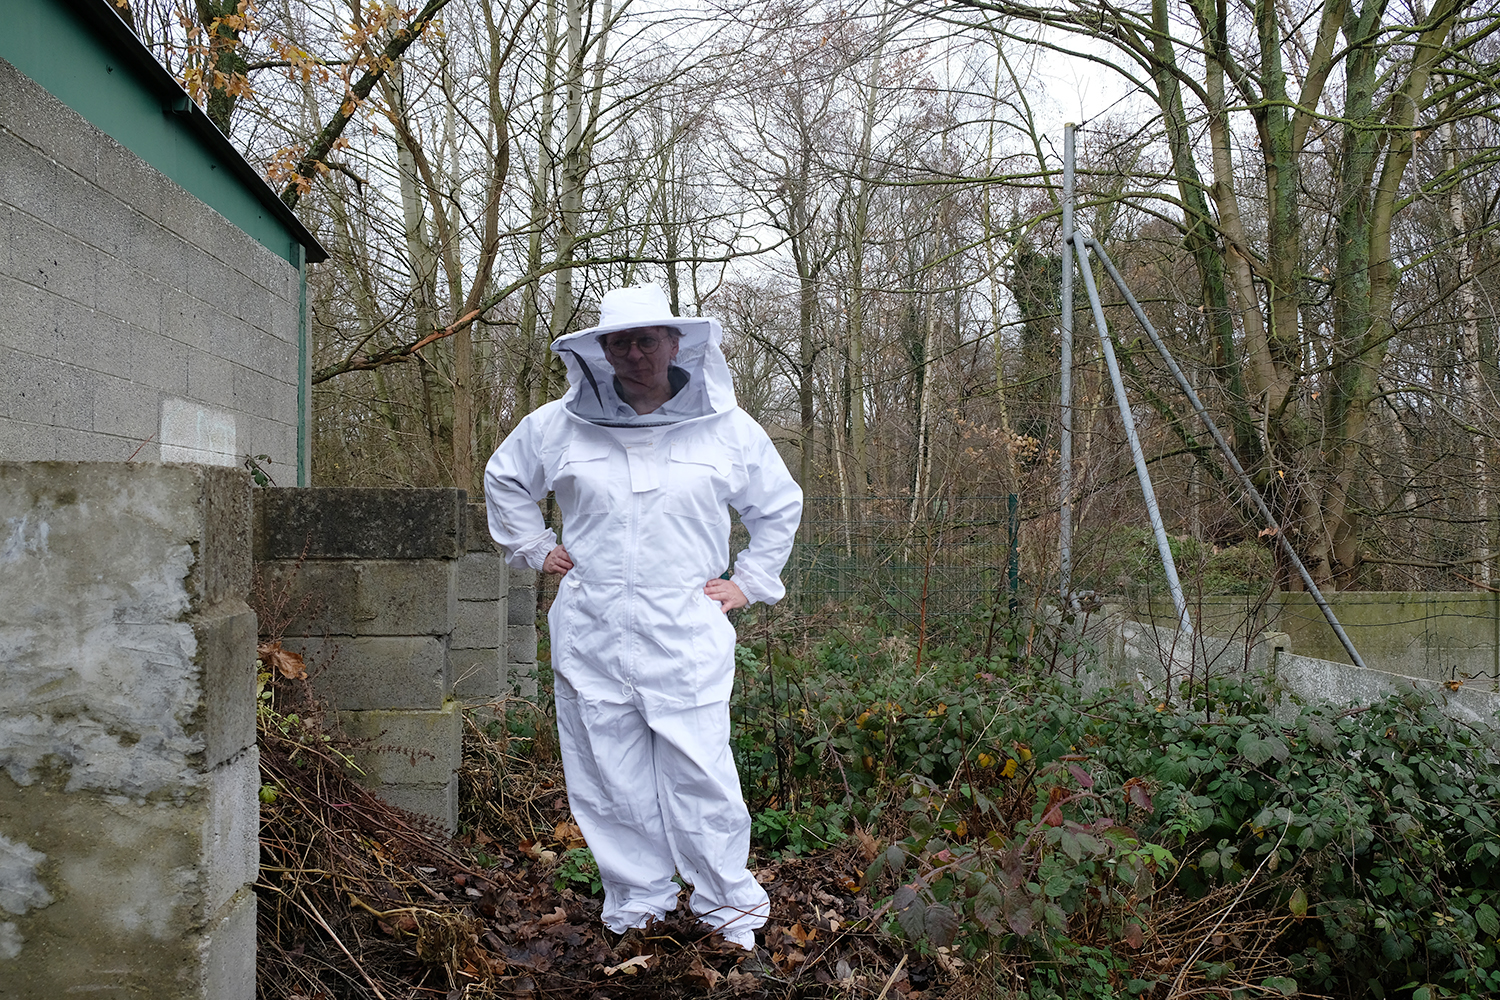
(637, 306)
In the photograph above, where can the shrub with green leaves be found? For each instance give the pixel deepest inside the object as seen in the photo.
(1027, 820)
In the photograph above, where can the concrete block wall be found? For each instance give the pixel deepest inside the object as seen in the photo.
(129, 823)
(398, 599)
(518, 672)
(134, 319)
(478, 645)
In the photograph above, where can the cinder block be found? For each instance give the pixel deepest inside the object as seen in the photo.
(520, 679)
(48, 258)
(127, 293)
(478, 625)
(521, 592)
(85, 211)
(39, 119)
(284, 315)
(92, 446)
(358, 523)
(228, 951)
(253, 392)
(254, 309)
(481, 576)
(26, 442)
(223, 570)
(476, 675)
(161, 363)
(365, 597)
(406, 748)
(28, 314)
(29, 181)
(81, 336)
(125, 409)
(262, 354)
(25, 387)
(73, 396)
(478, 539)
(361, 674)
(137, 185)
(209, 376)
(520, 645)
(226, 654)
(283, 397)
(231, 833)
(271, 437)
(9, 220)
(43, 391)
(440, 803)
(184, 318)
(161, 253)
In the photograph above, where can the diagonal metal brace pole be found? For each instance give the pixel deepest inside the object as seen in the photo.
(1122, 401)
(1234, 463)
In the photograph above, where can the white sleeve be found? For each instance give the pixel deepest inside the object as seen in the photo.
(515, 479)
(770, 506)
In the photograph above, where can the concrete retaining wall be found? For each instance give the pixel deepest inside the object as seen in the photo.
(128, 770)
(400, 603)
(134, 319)
(1436, 636)
(1156, 659)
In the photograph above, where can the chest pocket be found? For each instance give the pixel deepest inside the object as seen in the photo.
(583, 481)
(697, 481)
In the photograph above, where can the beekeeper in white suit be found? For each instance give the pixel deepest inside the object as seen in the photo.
(645, 452)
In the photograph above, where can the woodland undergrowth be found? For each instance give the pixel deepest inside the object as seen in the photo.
(954, 826)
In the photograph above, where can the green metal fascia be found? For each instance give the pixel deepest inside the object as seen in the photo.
(81, 53)
(304, 380)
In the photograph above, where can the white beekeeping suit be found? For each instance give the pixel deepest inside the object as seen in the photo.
(643, 659)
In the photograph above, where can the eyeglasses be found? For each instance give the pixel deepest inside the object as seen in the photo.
(649, 344)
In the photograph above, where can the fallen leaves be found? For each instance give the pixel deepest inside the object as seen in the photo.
(630, 966)
(285, 662)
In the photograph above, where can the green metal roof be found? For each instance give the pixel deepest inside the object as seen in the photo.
(85, 56)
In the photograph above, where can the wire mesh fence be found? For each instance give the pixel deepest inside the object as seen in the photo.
(934, 566)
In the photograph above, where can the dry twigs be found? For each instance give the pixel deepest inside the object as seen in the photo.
(362, 900)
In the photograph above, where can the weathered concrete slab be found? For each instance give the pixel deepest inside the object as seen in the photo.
(477, 675)
(366, 597)
(411, 757)
(128, 815)
(358, 673)
(481, 576)
(360, 524)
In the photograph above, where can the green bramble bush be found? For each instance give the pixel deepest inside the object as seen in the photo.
(1025, 819)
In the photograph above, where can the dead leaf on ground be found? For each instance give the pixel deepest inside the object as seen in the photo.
(568, 835)
(702, 976)
(630, 966)
(285, 662)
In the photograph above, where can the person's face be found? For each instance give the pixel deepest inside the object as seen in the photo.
(641, 356)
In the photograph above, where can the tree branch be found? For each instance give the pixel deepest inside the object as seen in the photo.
(312, 163)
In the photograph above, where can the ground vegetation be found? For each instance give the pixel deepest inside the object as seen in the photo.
(973, 825)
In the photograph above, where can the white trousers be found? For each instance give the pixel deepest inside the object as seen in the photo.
(657, 795)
